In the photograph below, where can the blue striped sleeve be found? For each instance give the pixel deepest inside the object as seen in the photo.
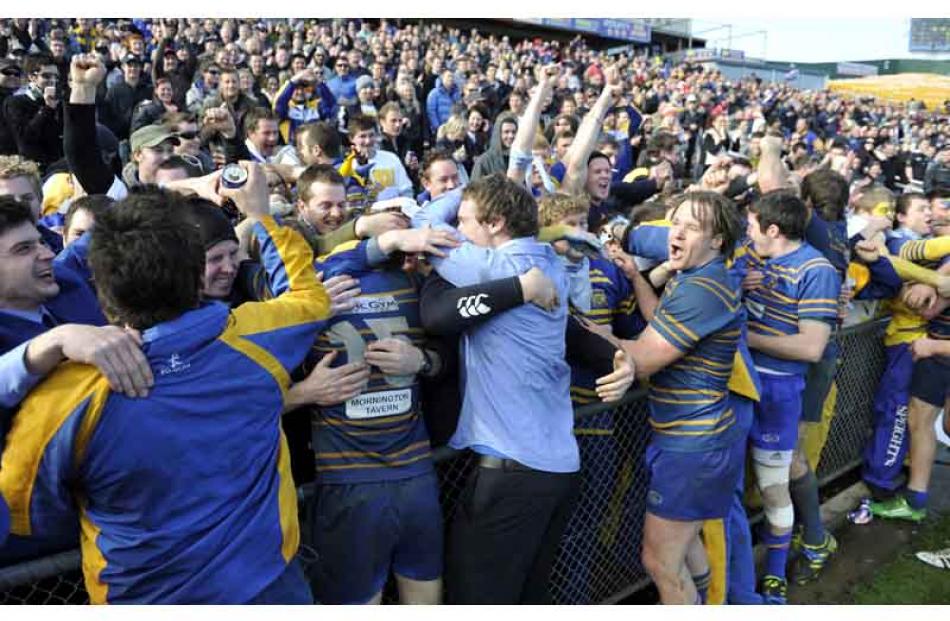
(692, 311)
(650, 240)
(818, 294)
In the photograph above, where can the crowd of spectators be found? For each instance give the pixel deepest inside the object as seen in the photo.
(499, 229)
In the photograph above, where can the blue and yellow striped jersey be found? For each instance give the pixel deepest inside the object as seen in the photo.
(612, 304)
(700, 313)
(380, 434)
(906, 324)
(650, 240)
(185, 496)
(801, 285)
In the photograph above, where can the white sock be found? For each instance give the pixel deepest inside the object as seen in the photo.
(942, 436)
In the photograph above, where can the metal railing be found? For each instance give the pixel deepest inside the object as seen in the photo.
(599, 557)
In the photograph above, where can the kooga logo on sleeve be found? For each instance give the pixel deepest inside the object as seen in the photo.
(368, 305)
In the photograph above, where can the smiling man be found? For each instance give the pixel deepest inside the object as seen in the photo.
(688, 351)
(387, 170)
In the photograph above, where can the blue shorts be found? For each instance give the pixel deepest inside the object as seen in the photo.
(775, 426)
(931, 380)
(362, 530)
(691, 487)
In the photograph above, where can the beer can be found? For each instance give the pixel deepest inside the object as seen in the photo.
(233, 176)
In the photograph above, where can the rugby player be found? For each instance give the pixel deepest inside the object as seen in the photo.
(688, 352)
(792, 309)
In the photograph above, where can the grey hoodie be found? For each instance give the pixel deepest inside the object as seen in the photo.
(495, 159)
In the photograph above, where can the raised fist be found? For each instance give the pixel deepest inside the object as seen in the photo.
(86, 70)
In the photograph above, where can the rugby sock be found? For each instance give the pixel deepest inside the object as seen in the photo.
(702, 585)
(942, 430)
(777, 552)
(917, 500)
(804, 492)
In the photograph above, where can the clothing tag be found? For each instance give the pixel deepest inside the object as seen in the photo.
(379, 404)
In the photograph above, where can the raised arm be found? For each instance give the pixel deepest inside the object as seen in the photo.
(79, 126)
(293, 318)
(575, 175)
(528, 126)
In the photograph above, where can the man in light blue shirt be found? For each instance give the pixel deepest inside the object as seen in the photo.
(516, 411)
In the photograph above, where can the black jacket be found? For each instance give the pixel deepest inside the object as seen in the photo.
(36, 128)
(120, 102)
(7, 139)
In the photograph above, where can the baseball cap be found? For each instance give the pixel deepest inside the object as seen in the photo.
(691, 97)
(131, 58)
(151, 136)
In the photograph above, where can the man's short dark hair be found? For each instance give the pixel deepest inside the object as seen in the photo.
(95, 204)
(904, 201)
(176, 162)
(35, 62)
(435, 155)
(318, 173)
(256, 114)
(718, 213)
(324, 136)
(827, 191)
(13, 213)
(784, 210)
(497, 196)
(360, 123)
(147, 259)
(597, 155)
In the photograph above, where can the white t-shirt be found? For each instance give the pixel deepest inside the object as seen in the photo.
(388, 171)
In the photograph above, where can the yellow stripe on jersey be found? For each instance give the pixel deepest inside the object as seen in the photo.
(709, 432)
(765, 328)
(698, 422)
(374, 422)
(381, 456)
(93, 561)
(74, 389)
(359, 466)
(347, 245)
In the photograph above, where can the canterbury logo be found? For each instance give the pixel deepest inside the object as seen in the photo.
(472, 306)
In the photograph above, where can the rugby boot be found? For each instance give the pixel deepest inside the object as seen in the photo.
(938, 558)
(897, 508)
(813, 559)
(774, 590)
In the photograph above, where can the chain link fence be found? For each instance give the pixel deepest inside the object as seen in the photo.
(862, 364)
(599, 557)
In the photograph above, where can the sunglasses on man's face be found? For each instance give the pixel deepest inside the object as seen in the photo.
(12, 73)
(49, 76)
(187, 135)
